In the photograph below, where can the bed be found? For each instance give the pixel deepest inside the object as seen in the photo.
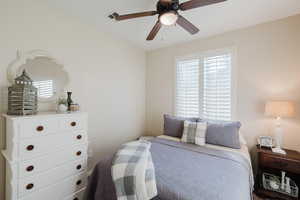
(186, 172)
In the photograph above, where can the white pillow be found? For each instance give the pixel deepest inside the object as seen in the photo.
(194, 132)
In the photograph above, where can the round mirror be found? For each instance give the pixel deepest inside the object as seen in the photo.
(47, 74)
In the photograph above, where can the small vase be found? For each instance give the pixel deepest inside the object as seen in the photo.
(62, 108)
(69, 100)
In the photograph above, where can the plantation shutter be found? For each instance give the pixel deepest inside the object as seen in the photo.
(217, 87)
(45, 88)
(187, 88)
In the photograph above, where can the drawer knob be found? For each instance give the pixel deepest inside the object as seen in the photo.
(29, 186)
(78, 182)
(73, 124)
(79, 137)
(30, 168)
(30, 147)
(78, 167)
(78, 153)
(40, 128)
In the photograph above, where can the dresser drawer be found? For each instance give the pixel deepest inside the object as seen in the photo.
(36, 127)
(30, 148)
(76, 196)
(47, 162)
(279, 163)
(51, 177)
(73, 123)
(59, 190)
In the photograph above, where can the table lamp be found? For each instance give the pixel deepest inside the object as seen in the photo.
(279, 110)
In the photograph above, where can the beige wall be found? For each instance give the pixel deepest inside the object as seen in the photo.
(107, 74)
(268, 67)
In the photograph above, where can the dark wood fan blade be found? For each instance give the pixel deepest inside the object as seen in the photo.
(188, 26)
(118, 17)
(198, 3)
(154, 31)
(165, 1)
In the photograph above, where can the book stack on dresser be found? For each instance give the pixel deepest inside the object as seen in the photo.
(46, 156)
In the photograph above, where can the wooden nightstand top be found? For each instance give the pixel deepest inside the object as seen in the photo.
(290, 154)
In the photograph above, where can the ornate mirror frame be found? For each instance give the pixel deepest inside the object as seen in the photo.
(22, 59)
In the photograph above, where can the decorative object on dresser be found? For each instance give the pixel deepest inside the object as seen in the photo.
(49, 75)
(74, 107)
(69, 100)
(279, 109)
(46, 156)
(22, 96)
(62, 105)
(278, 175)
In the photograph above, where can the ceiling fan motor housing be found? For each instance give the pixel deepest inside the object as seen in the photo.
(167, 7)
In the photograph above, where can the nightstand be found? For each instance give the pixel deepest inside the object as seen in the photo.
(273, 163)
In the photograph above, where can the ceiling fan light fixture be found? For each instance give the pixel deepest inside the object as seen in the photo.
(168, 18)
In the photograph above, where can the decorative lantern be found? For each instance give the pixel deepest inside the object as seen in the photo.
(22, 96)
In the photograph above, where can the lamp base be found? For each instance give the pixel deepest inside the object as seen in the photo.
(278, 150)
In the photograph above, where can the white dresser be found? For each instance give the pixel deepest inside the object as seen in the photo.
(46, 156)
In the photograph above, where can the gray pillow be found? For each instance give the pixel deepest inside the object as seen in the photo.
(173, 126)
(223, 134)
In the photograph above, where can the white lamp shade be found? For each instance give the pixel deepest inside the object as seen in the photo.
(280, 109)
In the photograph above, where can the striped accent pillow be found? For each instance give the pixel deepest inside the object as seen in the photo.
(194, 132)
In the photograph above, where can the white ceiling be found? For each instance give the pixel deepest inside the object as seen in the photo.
(212, 20)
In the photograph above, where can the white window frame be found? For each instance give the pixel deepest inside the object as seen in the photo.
(233, 52)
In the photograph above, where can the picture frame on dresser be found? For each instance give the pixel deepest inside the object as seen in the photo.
(46, 156)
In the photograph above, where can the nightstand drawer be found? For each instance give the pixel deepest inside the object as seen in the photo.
(279, 163)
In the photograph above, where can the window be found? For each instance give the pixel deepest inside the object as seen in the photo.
(45, 88)
(204, 87)
(187, 95)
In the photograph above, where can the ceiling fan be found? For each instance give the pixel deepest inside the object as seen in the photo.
(167, 11)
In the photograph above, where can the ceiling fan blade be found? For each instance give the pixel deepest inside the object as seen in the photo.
(188, 26)
(118, 17)
(154, 31)
(198, 3)
(165, 1)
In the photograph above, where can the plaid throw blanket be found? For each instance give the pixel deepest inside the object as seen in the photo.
(133, 172)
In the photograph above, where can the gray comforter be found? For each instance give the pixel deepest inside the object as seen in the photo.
(185, 172)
